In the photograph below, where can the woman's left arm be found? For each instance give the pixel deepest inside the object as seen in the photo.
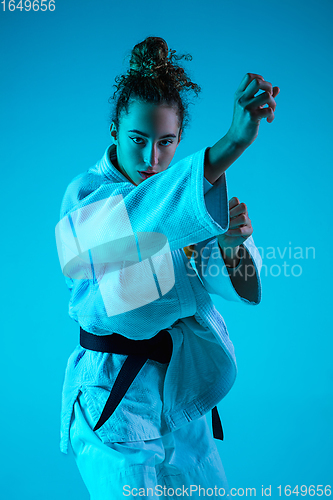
(241, 283)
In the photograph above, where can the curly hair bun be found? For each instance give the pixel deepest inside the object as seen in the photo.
(154, 76)
(150, 55)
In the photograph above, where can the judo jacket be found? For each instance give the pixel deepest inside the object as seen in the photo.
(139, 259)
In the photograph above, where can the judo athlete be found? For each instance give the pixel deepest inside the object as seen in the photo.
(142, 245)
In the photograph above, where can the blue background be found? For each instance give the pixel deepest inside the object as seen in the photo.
(58, 69)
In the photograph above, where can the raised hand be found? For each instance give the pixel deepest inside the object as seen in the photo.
(249, 110)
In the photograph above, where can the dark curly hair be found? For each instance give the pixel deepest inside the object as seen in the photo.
(153, 77)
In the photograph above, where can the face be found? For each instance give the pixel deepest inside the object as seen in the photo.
(147, 139)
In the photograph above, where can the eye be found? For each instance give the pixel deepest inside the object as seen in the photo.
(167, 141)
(134, 138)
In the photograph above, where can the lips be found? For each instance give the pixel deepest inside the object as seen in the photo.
(145, 175)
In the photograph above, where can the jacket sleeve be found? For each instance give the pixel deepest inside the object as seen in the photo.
(106, 222)
(117, 243)
(241, 284)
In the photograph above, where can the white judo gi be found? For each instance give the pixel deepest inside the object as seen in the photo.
(105, 221)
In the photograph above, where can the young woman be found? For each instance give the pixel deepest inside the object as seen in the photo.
(140, 243)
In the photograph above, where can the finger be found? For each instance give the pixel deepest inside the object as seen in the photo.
(240, 231)
(260, 100)
(233, 202)
(276, 91)
(271, 117)
(246, 80)
(255, 86)
(239, 220)
(260, 113)
(239, 209)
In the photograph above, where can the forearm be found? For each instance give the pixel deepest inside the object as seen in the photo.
(229, 255)
(220, 156)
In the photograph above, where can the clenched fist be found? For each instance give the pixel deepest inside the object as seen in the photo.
(240, 228)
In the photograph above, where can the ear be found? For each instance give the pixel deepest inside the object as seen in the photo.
(113, 132)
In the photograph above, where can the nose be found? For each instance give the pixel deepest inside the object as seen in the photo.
(151, 158)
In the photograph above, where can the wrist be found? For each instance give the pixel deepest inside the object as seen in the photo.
(237, 144)
(231, 262)
(230, 255)
(220, 156)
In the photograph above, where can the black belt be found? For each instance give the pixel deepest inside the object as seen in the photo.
(158, 348)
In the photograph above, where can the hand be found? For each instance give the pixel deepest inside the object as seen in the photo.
(249, 110)
(240, 228)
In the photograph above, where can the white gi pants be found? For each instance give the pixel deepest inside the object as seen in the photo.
(182, 464)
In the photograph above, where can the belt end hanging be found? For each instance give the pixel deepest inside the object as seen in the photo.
(216, 424)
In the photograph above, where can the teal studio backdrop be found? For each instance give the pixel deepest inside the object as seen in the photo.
(57, 72)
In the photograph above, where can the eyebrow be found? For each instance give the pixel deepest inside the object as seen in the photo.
(146, 135)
